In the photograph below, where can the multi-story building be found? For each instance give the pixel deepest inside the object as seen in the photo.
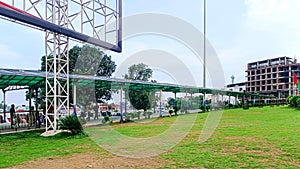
(272, 76)
(236, 87)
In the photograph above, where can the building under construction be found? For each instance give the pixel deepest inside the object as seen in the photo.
(272, 76)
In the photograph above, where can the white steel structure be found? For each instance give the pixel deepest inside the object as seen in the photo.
(96, 22)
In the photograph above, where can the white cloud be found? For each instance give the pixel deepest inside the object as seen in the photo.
(8, 53)
(269, 14)
(8, 56)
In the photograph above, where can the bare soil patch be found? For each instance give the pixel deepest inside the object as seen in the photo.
(90, 160)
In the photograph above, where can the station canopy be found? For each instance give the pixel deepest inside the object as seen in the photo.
(36, 78)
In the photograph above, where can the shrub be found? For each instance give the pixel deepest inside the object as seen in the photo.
(294, 101)
(129, 116)
(298, 102)
(106, 118)
(70, 123)
(289, 100)
(147, 114)
(139, 112)
(246, 105)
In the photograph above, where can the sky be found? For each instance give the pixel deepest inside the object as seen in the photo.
(239, 31)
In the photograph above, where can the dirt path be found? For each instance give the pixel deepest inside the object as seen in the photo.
(90, 160)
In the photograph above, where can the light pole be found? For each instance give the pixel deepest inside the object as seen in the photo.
(204, 46)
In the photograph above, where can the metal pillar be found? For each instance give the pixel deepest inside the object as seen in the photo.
(74, 98)
(121, 106)
(229, 101)
(125, 101)
(186, 102)
(160, 103)
(204, 46)
(204, 102)
(37, 119)
(30, 110)
(154, 102)
(4, 106)
(57, 64)
(191, 102)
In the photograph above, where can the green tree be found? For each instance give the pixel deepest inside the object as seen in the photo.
(87, 60)
(139, 72)
(175, 104)
(140, 99)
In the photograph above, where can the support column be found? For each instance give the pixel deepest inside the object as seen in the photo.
(222, 101)
(191, 102)
(218, 100)
(125, 100)
(37, 119)
(154, 102)
(4, 107)
(204, 102)
(160, 103)
(29, 122)
(229, 101)
(121, 105)
(75, 98)
(186, 103)
(57, 64)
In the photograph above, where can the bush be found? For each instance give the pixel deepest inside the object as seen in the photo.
(147, 114)
(298, 102)
(246, 105)
(70, 123)
(294, 101)
(289, 100)
(106, 118)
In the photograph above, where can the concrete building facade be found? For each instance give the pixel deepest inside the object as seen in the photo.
(272, 76)
(236, 87)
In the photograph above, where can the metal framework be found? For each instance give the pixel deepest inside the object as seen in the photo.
(93, 21)
(57, 64)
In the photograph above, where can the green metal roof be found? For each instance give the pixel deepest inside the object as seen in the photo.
(12, 77)
(33, 78)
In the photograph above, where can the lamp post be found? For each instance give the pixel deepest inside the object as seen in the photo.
(204, 45)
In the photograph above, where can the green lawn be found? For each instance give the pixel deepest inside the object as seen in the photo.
(266, 137)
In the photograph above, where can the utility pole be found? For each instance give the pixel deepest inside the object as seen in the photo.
(204, 46)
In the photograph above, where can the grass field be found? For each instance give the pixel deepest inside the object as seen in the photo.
(266, 137)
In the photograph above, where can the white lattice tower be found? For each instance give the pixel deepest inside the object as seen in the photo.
(57, 64)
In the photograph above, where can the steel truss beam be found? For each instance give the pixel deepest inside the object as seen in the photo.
(97, 22)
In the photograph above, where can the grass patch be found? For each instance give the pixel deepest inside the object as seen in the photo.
(21, 147)
(145, 128)
(256, 138)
